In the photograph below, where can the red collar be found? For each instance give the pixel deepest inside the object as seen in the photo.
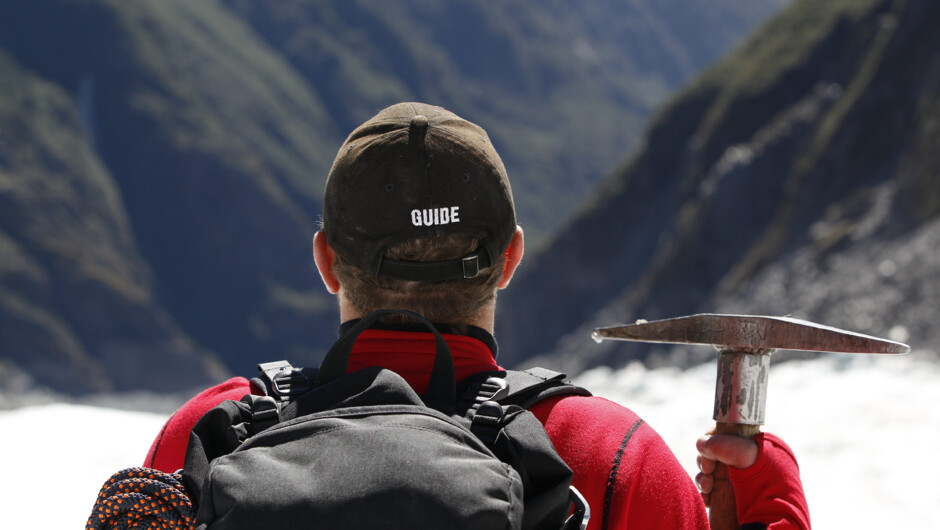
(410, 354)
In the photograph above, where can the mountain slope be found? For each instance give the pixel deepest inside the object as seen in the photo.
(810, 140)
(210, 138)
(77, 310)
(214, 124)
(562, 88)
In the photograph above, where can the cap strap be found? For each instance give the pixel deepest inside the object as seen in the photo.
(468, 266)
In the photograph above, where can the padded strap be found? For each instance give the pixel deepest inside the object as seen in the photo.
(528, 387)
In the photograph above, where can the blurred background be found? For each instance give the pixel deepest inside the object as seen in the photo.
(162, 165)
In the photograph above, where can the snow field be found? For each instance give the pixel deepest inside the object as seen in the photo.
(865, 429)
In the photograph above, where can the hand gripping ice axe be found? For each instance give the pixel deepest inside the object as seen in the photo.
(745, 344)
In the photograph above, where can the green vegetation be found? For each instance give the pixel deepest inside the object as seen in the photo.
(870, 62)
(178, 221)
(816, 137)
(61, 224)
(562, 88)
(72, 286)
(258, 115)
(59, 197)
(780, 46)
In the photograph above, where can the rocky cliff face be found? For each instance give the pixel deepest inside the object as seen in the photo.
(212, 180)
(795, 177)
(77, 308)
(562, 88)
(162, 162)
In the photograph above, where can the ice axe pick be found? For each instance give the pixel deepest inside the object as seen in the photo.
(745, 344)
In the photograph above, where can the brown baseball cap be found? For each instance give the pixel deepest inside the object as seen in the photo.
(415, 170)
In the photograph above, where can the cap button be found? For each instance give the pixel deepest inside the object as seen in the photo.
(419, 122)
(417, 130)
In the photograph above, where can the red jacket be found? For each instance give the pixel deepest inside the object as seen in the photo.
(629, 476)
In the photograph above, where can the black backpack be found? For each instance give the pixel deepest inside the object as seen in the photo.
(329, 450)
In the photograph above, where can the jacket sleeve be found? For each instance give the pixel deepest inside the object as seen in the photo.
(770, 492)
(168, 450)
(624, 469)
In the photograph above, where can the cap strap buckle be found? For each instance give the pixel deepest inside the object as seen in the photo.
(471, 265)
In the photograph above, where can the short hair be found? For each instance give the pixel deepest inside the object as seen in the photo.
(452, 302)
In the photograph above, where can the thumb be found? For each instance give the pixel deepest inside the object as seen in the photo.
(734, 451)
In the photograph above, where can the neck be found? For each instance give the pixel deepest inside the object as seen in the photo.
(484, 318)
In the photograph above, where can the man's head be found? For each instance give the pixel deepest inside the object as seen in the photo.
(418, 214)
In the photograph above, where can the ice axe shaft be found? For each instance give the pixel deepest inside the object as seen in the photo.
(745, 343)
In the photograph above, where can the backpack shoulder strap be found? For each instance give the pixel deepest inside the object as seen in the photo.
(525, 387)
(528, 387)
(522, 388)
(284, 382)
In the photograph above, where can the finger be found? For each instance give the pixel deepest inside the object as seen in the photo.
(704, 482)
(731, 450)
(706, 498)
(705, 465)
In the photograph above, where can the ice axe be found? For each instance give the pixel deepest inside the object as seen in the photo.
(745, 344)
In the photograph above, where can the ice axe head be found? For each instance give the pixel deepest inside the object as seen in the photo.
(745, 344)
(745, 332)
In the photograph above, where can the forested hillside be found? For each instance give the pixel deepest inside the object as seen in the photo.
(76, 299)
(800, 175)
(161, 163)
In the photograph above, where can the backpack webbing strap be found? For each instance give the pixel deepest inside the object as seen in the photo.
(528, 387)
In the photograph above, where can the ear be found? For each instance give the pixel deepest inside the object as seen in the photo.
(513, 257)
(324, 256)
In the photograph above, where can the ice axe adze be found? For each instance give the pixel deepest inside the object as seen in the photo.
(745, 344)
